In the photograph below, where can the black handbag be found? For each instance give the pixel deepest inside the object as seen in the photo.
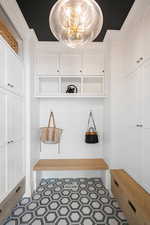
(91, 136)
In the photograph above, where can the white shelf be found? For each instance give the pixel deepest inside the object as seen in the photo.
(71, 96)
(47, 86)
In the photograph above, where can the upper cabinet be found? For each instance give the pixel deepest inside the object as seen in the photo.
(146, 35)
(93, 64)
(11, 69)
(70, 64)
(47, 64)
(136, 49)
(14, 72)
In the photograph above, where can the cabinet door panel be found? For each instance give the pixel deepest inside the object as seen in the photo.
(47, 64)
(11, 166)
(146, 95)
(14, 118)
(2, 119)
(146, 159)
(132, 50)
(2, 64)
(93, 65)
(133, 139)
(2, 173)
(146, 35)
(70, 64)
(15, 164)
(14, 72)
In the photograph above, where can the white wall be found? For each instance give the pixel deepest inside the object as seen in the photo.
(72, 116)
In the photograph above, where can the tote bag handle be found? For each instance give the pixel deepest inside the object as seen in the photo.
(91, 118)
(51, 120)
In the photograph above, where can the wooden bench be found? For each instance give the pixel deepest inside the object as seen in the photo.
(133, 199)
(68, 164)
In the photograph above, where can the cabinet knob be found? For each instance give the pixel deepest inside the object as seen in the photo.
(138, 61)
(57, 71)
(141, 58)
(80, 71)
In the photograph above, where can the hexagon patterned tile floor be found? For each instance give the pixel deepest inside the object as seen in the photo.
(81, 201)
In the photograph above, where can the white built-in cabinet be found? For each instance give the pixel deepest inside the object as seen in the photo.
(11, 120)
(138, 124)
(70, 64)
(48, 64)
(54, 72)
(11, 77)
(93, 64)
(136, 49)
(14, 72)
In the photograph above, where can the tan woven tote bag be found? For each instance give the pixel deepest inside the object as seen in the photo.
(50, 134)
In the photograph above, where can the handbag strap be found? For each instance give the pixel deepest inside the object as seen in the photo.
(51, 118)
(91, 118)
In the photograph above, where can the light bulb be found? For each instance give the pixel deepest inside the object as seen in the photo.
(76, 22)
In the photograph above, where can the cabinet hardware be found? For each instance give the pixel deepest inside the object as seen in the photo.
(139, 125)
(80, 71)
(141, 58)
(8, 142)
(116, 183)
(18, 189)
(11, 141)
(132, 206)
(57, 71)
(0, 211)
(138, 61)
(10, 85)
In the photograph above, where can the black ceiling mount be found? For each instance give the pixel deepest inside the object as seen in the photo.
(36, 14)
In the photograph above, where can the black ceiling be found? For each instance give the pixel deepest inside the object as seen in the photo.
(36, 13)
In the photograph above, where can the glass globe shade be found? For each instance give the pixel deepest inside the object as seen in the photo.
(76, 22)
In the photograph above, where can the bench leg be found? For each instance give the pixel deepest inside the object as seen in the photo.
(108, 180)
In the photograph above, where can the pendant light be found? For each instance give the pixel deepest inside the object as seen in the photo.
(76, 22)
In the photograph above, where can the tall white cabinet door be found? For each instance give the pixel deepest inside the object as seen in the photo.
(146, 126)
(70, 64)
(15, 164)
(2, 63)
(2, 118)
(14, 118)
(133, 139)
(93, 64)
(146, 95)
(11, 166)
(14, 72)
(47, 64)
(2, 173)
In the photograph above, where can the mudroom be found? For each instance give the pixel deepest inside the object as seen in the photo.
(74, 112)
